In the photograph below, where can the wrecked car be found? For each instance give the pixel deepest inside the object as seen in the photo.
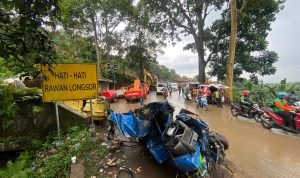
(185, 139)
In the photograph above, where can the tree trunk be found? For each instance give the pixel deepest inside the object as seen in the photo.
(232, 47)
(98, 55)
(201, 62)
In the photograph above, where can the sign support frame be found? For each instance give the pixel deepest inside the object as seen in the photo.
(92, 125)
(57, 120)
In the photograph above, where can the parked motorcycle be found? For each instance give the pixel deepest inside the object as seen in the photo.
(254, 112)
(185, 141)
(201, 101)
(272, 120)
(187, 96)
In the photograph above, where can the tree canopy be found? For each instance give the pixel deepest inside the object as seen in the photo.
(133, 34)
(184, 18)
(24, 39)
(253, 26)
(187, 18)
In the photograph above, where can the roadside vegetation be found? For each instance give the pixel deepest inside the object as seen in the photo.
(52, 158)
(262, 93)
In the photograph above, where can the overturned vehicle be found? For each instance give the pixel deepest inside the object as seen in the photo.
(186, 140)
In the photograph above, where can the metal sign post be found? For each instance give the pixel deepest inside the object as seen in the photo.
(91, 108)
(92, 126)
(57, 121)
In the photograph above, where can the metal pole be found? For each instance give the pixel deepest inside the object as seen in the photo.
(57, 121)
(92, 126)
(91, 108)
(114, 80)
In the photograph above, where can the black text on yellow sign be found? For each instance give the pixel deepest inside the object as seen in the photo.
(69, 82)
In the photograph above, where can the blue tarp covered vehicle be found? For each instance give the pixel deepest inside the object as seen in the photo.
(185, 139)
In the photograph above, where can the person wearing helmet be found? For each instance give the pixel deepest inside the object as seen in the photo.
(245, 101)
(282, 108)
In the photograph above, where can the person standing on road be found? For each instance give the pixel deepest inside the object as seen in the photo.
(142, 101)
(217, 96)
(179, 88)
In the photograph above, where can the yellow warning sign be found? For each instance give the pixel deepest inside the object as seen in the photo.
(69, 82)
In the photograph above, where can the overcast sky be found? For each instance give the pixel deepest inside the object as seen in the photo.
(283, 39)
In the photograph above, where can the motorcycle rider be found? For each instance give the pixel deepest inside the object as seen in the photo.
(201, 93)
(282, 108)
(245, 101)
(194, 91)
(186, 92)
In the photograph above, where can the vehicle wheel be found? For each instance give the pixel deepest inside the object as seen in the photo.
(234, 112)
(257, 118)
(156, 93)
(205, 108)
(223, 140)
(266, 122)
(127, 100)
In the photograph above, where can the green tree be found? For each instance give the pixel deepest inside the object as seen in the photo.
(253, 27)
(24, 40)
(184, 18)
(140, 53)
(143, 44)
(98, 19)
(4, 71)
(73, 48)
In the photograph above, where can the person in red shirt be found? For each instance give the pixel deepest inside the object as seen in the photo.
(203, 91)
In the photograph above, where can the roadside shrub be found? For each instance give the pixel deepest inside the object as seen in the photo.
(18, 169)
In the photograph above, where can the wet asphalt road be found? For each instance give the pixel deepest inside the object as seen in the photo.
(253, 151)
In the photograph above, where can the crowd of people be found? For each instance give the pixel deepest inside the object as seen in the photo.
(191, 92)
(216, 96)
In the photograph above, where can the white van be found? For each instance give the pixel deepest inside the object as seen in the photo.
(174, 86)
(160, 87)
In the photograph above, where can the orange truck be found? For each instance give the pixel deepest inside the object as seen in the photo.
(136, 91)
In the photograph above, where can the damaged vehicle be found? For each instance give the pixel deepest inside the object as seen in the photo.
(185, 141)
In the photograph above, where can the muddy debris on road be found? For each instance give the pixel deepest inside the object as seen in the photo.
(137, 156)
(254, 151)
